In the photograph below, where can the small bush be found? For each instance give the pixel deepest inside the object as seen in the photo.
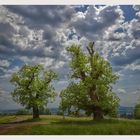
(23, 112)
(137, 111)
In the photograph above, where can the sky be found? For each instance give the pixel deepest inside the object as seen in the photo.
(40, 34)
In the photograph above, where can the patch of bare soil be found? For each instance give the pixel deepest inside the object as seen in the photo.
(19, 122)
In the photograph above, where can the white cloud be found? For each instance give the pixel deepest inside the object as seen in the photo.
(128, 97)
(121, 91)
(8, 72)
(46, 62)
(4, 63)
(6, 101)
(59, 64)
(94, 22)
(134, 66)
(133, 28)
(137, 8)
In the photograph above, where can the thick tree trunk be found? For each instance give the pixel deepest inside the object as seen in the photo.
(98, 116)
(77, 114)
(97, 113)
(35, 112)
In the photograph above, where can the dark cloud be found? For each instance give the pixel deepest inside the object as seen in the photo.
(136, 33)
(7, 48)
(6, 30)
(129, 55)
(39, 15)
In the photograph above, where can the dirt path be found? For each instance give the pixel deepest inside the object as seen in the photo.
(9, 127)
(18, 123)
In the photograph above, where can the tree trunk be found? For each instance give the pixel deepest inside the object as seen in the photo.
(77, 114)
(35, 112)
(63, 117)
(97, 113)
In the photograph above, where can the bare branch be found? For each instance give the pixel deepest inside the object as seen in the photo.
(91, 49)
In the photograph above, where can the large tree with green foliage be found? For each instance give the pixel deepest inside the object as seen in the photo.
(91, 89)
(33, 88)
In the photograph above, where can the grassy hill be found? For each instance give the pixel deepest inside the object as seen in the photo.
(54, 125)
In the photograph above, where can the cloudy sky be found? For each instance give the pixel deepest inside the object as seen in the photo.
(40, 34)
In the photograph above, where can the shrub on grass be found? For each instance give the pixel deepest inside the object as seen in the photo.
(23, 112)
(137, 111)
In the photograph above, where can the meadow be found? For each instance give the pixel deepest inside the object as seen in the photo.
(55, 125)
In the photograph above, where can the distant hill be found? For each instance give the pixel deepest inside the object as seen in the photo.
(11, 111)
(14, 111)
(122, 110)
(127, 112)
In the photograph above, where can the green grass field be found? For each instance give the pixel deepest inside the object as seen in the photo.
(54, 125)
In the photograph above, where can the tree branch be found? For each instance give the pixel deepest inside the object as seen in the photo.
(90, 49)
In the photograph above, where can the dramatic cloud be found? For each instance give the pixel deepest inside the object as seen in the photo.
(40, 35)
(6, 101)
(94, 22)
(40, 15)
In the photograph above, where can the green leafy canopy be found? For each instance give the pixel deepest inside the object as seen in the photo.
(33, 86)
(94, 79)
